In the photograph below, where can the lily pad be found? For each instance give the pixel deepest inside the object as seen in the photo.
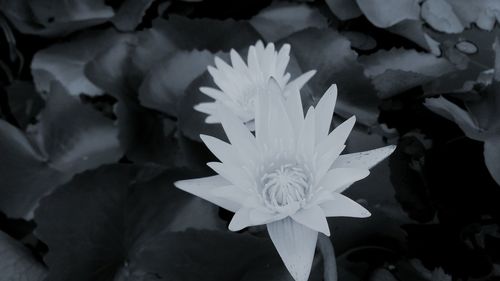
(130, 14)
(386, 13)
(65, 62)
(414, 31)
(470, 65)
(336, 63)
(17, 263)
(192, 122)
(69, 138)
(344, 9)
(484, 13)
(55, 17)
(282, 19)
(121, 220)
(167, 81)
(204, 255)
(440, 15)
(25, 103)
(397, 70)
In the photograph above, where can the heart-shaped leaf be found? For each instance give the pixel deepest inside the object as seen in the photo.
(65, 62)
(118, 220)
(69, 138)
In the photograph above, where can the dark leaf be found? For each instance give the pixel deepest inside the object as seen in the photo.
(189, 34)
(75, 136)
(97, 225)
(17, 263)
(192, 122)
(167, 81)
(440, 15)
(360, 40)
(55, 17)
(282, 19)
(205, 255)
(146, 136)
(25, 173)
(69, 138)
(397, 70)
(344, 9)
(408, 179)
(386, 13)
(65, 62)
(470, 66)
(330, 53)
(414, 31)
(130, 14)
(25, 103)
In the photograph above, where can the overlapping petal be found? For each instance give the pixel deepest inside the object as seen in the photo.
(240, 82)
(203, 187)
(295, 244)
(288, 176)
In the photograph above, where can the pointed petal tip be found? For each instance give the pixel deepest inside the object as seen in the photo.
(295, 244)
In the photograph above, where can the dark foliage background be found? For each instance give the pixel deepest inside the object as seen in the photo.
(96, 123)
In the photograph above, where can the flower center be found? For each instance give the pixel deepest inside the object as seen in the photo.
(288, 184)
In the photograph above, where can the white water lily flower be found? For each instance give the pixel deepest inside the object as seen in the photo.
(241, 82)
(288, 176)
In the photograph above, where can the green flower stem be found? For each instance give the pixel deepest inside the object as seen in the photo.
(329, 262)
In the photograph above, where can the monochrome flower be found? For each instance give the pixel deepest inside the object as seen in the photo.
(289, 176)
(241, 82)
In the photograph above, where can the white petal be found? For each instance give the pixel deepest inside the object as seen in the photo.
(212, 119)
(238, 134)
(237, 61)
(300, 81)
(365, 159)
(213, 93)
(223, 66)
(329, 148)
(261, 215)
(240, 220)
(222, 150)
(261, 118)
(246, 217)
(279, 124)
(234, 174)
(305, 142)
(295, 110)
(205, 107)
(295, 244)
(253, 60)
(342, 206)
(203, 188)
(233, 193)
(324, 112)
(283, 59)
(338, 179)
(314, 218)
(337, 137)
